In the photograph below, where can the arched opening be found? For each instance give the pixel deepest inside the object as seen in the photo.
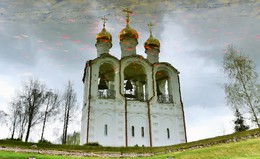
(106, 84)
(135, 85)
(163, 87)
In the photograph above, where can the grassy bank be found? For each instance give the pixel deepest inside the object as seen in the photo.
(156, 150)
(249, 148)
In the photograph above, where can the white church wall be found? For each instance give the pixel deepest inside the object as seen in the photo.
(83, 132)
(138, 118)
(94, 81)
(105, 128)
(107, 112)
(128, 47)
(161, 112)
(167, 123)
(135, 137)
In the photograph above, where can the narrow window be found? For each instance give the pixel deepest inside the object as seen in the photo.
(105, 130)
(168, 133)
(133, 131)
(142, 131)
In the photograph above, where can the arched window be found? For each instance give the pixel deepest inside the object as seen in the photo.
(135, 87)
(133, 131)
(106, 81)
(142, 131)
(163, 87)
(168, 133)
(105, 130)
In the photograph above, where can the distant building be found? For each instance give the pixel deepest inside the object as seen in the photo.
(133, 100)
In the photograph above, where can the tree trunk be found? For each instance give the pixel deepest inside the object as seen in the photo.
(28, 129)
(21, 132)
(64, 125)
(67, 123)
(44, 121)
(253, 111)
(13, 129)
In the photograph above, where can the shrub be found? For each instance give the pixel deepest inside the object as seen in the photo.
(44, 141)
(10, 139)
(92, 144)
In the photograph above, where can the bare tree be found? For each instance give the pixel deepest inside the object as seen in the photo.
(23, 121)
(243, 89)
(33, 98)
(73, 139)
(51, 108)
(17, 116)
(69, 103)
(3, 117)
(16, 110)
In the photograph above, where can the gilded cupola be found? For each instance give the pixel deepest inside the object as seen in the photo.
(103, 40)
(127, 32)
(104, 35)
(151, 42)
(152, 47)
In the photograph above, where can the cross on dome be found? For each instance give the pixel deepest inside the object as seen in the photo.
(128, 32)
(104, 21)
(127, 14)
(104, 35)
(150, 25)
(151, 42)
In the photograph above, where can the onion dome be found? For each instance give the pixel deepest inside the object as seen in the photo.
(128, 32)
(104, 36)
(151, 42)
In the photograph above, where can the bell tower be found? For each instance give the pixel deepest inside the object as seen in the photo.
(131, 100)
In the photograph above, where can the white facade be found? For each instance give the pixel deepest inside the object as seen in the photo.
(147, 112)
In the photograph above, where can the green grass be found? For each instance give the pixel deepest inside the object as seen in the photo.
(244, 149)
(96, 149)
(13, 155)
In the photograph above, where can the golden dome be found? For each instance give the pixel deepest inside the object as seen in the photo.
(104, 36)
(152, 43)
(128, 32)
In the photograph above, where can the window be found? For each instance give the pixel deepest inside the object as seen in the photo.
(133, 131)
(163, 87)
(142, 131)
(135, 82)
(168, 133)
(105, 130)
(106, 78)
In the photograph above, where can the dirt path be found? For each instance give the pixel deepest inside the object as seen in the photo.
(74, 153)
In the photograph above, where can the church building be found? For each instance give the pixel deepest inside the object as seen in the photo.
(133, 100)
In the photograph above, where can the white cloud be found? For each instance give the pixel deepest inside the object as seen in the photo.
(203, 122)
(7, 90)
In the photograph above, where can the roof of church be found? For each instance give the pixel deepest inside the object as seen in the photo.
(152, 42)
(103, 36)
(128, 32)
